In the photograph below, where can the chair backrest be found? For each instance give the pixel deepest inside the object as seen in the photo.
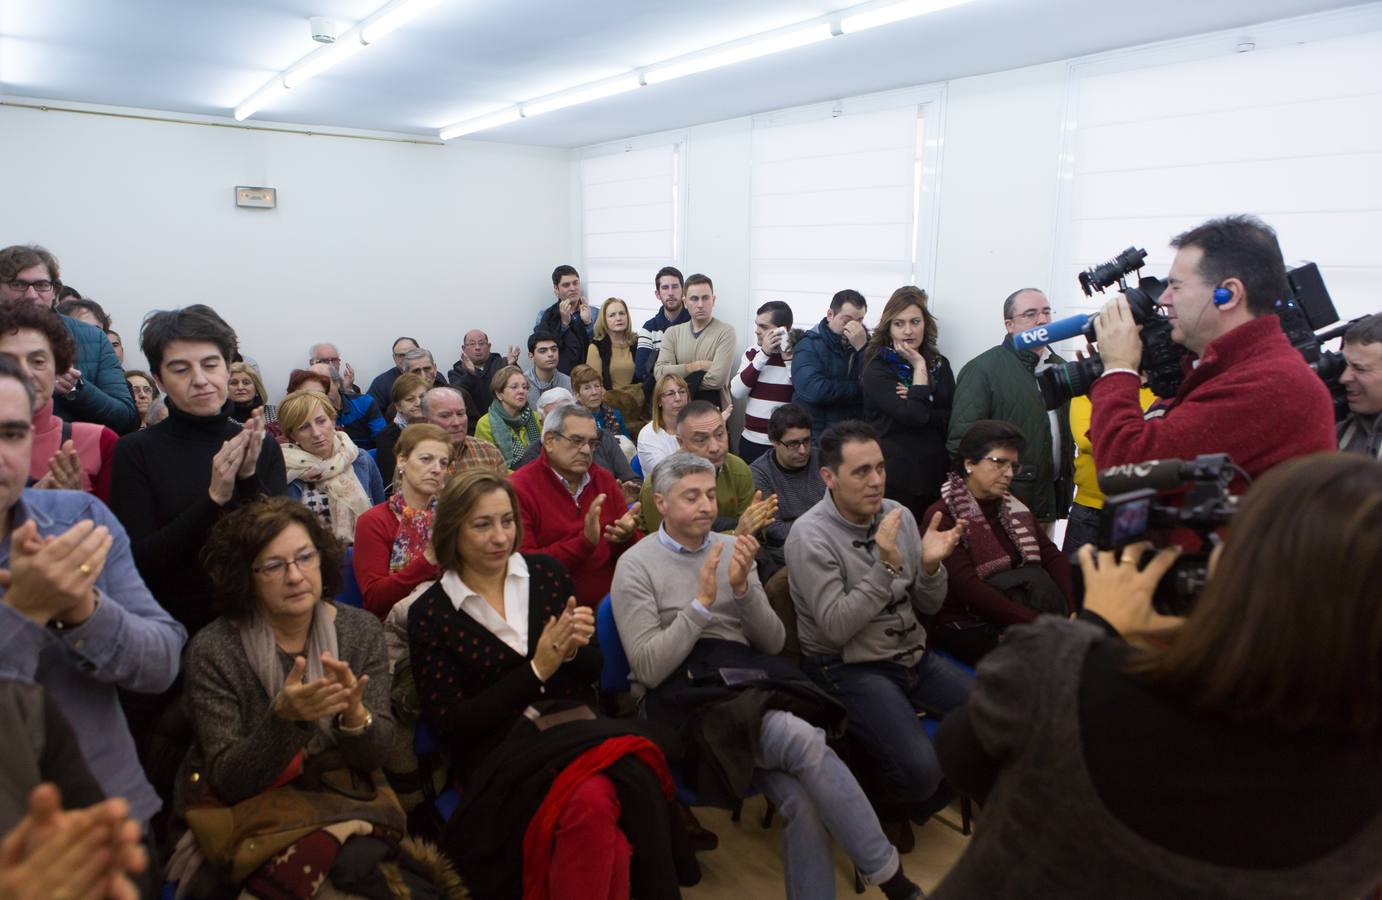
(614, 675)
(350, 592)
(636, 466)
(779, 593)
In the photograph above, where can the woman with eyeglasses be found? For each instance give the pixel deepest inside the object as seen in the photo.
(144, 391)
(327, 473)
(908, 388)
(1005, 571)
(511, 424)
(658, 439)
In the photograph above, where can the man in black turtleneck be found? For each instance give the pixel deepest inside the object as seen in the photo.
(172, 482)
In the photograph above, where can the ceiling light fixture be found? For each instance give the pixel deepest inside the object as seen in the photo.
(315, 63)
(583, 95)
(705, 60)
(260, 98)
(399, 12)
(894, 12)
(480, 123)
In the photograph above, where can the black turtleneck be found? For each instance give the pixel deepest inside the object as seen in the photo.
(159, 492)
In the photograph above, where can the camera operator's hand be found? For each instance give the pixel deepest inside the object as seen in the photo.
(1120, 338)
(1121, 592)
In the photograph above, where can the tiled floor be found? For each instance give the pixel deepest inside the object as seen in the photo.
(748, 863)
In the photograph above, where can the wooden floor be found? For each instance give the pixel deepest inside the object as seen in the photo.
(748, 863)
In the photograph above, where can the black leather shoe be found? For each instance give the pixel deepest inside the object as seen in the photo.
(702, 838)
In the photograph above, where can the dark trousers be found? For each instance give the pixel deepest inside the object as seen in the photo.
(749, 451)
(968, 645)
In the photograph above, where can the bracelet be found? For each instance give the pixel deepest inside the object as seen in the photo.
(893, 571)
(359, 729)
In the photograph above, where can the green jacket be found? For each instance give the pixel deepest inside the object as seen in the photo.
(1000, 384)
(733, 493)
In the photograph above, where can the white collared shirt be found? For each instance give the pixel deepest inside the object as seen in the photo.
(512, 627)
(580, 488)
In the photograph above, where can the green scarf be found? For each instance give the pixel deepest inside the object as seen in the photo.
(505, 428)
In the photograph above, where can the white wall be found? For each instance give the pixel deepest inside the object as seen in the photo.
(370, 240)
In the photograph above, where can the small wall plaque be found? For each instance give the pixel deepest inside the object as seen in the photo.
(256, 197)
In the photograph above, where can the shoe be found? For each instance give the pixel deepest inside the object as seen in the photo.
(702, 838)
(900, 887)
(899, 834)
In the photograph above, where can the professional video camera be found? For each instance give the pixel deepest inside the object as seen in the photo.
(1131, 512)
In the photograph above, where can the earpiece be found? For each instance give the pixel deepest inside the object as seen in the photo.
(1222, 296)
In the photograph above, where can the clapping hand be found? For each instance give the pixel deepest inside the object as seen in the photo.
(56, 853)
(591, 529)
(707, 580)
(64, 470)
(562, 637)
(254, 443)
(741, 563)
(937, 545)
(355, 715)
(54, 577)
(885, 539)
(225, 468)
(512, 355)
(761, 511)
(301, 701)
(1121, 592)
(623, 528)
(347, 377)
(66, 381)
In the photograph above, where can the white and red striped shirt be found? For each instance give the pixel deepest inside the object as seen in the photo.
(766, 380)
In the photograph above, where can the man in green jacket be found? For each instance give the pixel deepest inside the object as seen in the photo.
(1000, 383)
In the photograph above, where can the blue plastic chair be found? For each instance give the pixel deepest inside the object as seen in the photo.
(932, 724)
(428, 749)
(350, 592)
(636, 466)
(614, 674)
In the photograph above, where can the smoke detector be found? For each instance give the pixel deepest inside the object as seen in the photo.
(323, 29)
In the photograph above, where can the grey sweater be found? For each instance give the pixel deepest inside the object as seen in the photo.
(240, 744)
(796, 491)
(847, 604)
(653, 590)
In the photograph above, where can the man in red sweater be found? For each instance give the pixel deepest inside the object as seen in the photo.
(1251, 396)
(572, 509)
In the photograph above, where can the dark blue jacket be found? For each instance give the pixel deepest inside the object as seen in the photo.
(825, 378)
(360, 419)
(104, 397)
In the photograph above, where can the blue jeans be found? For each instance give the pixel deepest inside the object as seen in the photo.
(818, 797)
(1081, 528)
(883, 699)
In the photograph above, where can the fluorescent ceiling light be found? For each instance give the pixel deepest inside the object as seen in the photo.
(267, 94)
(584, 95)
(493, 120)
(397, 13)
(313, 65)
(714, 59)
(894, 12)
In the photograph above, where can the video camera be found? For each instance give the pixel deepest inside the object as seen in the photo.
(1131, 513)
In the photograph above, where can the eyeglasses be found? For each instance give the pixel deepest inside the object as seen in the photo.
(477, 343)
(1032, 315)
(19, 287)
(796, 445)
(577, 442)
(1003, 464)
(306, 561)
(329, 360)
(144, 391)
(673, 394)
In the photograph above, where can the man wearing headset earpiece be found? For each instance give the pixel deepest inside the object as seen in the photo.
(1250, 394)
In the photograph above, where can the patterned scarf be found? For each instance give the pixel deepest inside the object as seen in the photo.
(505, 428)
(414, 531)
(988, 555)
(335, 477)
(899, 366)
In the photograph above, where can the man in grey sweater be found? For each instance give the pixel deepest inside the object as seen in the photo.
(862, 574)
(661, 617)
(791, 472)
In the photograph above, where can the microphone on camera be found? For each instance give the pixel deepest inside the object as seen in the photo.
(1050, 333)
(1156, 474)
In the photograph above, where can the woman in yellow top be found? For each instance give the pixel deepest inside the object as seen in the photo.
(611, 354)
(1083, 525)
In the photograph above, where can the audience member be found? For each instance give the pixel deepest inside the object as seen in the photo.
(611, 355)
(658, 439)
(75, 617)
(1361, 430)
(288, 694)
(908, 389)
(828, 362)
(1230, 754)
(171, 482)
(589, 391)
(743, 510)
(79, 852)
(419, 361)
(326, 354)
(64, 455)
(327, 473)
(1007, 571)
(862, 574)
(511, 423)
(477, 365)
(792, 474)
(355, 414)
(1082, 524)
(116, 344)
(145, 392)
(700, 350)
(543, 375)
(309, 380)
(572, 510)
(445, 408)
(680, 644)
(568, 320)
(667, 287)
(84, 309)
(1000, 384)
(392, 538)
(382, 384)
(500, 642)
(1221, 296)
(765, 377)
(405, 399)
(94, 389)
(609, 454)
(246, 392)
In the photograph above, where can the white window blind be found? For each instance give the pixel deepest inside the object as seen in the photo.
(1290, 131)
(629, 224)
(835, 203)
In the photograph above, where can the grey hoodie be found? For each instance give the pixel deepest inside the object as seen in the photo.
(847, 604)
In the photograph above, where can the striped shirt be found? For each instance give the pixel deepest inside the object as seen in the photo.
(766, 380)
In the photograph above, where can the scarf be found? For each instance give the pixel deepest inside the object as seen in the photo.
(261, 649)
(988, 555)
(335, 477)
(897, 365)
(414, 531)
(505, 428)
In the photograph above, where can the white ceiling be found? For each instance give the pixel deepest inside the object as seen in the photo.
(468, 57)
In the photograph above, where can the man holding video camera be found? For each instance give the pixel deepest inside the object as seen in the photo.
(1251, 395)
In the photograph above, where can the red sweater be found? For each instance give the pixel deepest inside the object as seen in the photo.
(1252, 396)
(554, 524)
(375, 532)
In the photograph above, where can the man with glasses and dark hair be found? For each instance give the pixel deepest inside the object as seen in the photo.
(1000, 383)
(572, 509)
(381, 388)
(94, 389)
(477, 365)
(790, 471)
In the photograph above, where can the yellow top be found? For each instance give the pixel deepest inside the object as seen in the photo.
(1087, 491)
(620, 364)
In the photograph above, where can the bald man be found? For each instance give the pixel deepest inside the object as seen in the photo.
(477, 366)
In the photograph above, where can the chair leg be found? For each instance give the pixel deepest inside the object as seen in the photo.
(768, 814)
(858, 881)
(966, 815)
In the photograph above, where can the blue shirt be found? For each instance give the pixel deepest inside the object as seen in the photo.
(129, 642)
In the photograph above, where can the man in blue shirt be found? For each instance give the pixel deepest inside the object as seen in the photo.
(75, 616)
